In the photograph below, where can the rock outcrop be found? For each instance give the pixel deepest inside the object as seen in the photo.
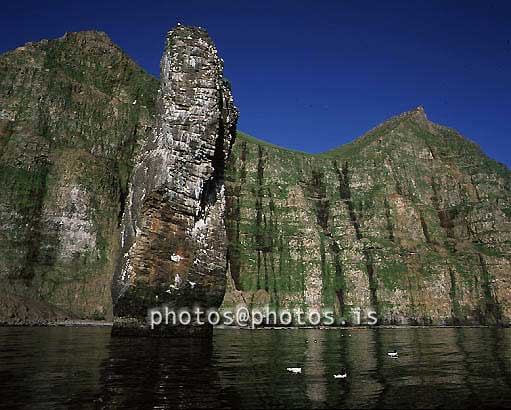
(174, 241)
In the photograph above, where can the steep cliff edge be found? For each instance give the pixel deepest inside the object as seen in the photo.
(71, 113)
(411, 221)
(173, 233)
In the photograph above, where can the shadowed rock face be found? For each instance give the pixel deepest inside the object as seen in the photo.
(71, 112)
(173, 234)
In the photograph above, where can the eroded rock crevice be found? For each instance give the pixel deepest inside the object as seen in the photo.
(318, 194)
(345, 193)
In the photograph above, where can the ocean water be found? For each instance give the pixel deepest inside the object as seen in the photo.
(83, 368)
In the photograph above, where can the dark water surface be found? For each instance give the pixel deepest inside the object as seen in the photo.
(67, 368)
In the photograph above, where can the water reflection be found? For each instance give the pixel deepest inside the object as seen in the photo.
(84, 368)
(314, 370)
(161, 374)
(50, 368)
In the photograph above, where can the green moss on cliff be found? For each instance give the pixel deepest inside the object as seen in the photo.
(75, 109)
(390, 220)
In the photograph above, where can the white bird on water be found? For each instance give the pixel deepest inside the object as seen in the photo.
(393, 354)
(192, 284)
(295, 370)
(342, 375)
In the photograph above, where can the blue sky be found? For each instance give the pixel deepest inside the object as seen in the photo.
(313, 75)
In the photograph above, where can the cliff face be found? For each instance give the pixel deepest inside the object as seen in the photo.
(173, 234)
(411, 220)
(71, 113)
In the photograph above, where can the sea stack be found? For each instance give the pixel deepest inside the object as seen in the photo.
(173, 239)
